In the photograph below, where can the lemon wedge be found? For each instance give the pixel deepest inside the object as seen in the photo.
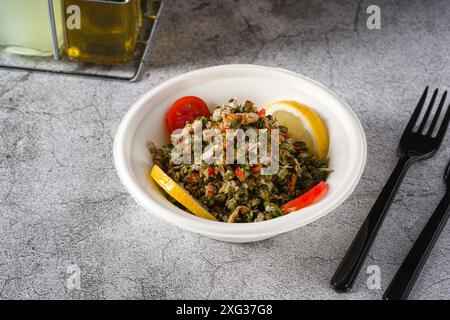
(179, 193)
(303, 124)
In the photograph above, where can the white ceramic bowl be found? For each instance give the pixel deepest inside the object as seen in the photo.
(216, 85)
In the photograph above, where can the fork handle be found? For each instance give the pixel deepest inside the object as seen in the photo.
(406, 276)
(348, 270)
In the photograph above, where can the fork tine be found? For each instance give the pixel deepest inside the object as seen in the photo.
(428, 111)
(437, 114)
(417, 111)
(444, 124)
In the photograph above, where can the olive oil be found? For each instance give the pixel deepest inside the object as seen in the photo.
(150, 8)
(108, 31)
(25, 27)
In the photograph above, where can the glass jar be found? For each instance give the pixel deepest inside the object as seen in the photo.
(107, 32)
(25, 27)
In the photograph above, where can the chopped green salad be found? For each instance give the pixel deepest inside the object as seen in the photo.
(240, 193)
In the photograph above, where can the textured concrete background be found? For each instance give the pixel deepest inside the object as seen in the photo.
(61, 202)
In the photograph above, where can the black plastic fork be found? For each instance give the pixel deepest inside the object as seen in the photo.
(419, 141)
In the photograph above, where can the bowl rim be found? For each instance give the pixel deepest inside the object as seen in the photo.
(214, 228)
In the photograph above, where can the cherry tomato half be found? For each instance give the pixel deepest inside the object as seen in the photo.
(186, 109)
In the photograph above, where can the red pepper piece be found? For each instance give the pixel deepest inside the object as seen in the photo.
(306, 199)
(239, 174)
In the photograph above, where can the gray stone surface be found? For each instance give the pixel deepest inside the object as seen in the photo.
(61, 202)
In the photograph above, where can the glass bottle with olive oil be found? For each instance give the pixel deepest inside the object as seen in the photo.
(107, 32)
